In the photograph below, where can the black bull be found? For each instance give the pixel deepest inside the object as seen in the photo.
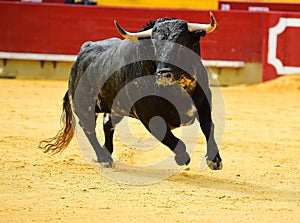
(156, 76)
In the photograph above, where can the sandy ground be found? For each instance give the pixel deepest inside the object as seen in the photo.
(260, 181)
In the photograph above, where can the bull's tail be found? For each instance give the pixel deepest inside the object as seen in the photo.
(62, 139)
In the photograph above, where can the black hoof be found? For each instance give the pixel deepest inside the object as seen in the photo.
(216, 163)
(107, 164)
(106, 161)
(182, 159)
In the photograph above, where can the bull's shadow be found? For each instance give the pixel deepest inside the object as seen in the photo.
(247, 188)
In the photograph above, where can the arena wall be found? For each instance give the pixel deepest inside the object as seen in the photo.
(45, 38)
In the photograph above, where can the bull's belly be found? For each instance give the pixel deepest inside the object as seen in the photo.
(175, 119)
(174, 116)
(144, 101)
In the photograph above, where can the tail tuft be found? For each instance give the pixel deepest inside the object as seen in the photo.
(64, 136)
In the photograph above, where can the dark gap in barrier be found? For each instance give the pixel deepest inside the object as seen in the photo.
(7, 77)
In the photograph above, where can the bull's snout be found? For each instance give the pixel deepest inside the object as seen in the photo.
(164, 74)
(164, 70)
(164, 78)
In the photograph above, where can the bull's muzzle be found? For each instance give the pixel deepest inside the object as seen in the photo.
(169, 75)
(165, 77)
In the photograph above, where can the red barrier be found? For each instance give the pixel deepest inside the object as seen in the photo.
(61, 29)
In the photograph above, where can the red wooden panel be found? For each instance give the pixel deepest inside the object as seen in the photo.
(287, 44)
(239, 36)
(288, 47)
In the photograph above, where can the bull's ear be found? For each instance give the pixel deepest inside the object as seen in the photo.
(198, 34)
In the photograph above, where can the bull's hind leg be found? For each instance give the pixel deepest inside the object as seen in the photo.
(88, 124)
(103, 155)
(162, 132)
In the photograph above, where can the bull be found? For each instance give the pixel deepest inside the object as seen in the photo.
(99, 74)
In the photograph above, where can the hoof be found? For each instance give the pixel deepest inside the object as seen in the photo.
(214, 165)
(182, 159)
(107, 164)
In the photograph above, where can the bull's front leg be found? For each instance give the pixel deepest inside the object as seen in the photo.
(108, 129)
(163, 133)
(203, 104)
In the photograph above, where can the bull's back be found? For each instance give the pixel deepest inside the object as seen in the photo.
(89, 53)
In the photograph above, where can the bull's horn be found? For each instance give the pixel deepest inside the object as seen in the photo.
(132, 36)
(206, 27)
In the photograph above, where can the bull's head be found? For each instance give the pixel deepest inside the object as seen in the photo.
(167, 34)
